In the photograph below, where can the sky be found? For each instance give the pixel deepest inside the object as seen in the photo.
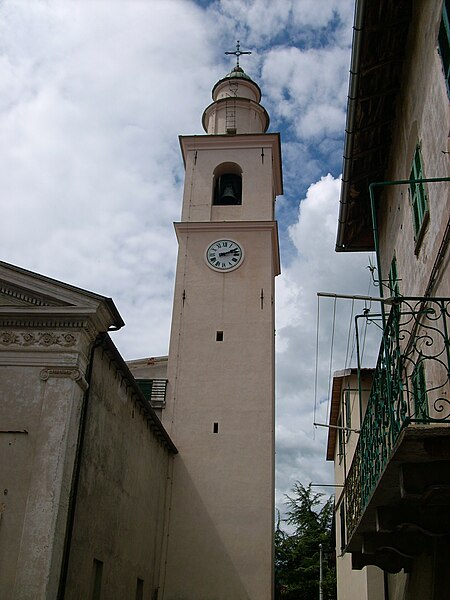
(94, 96)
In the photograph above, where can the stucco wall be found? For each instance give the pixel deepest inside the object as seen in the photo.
(422, 116)
(221, 540)
(120, 508)
(41, 391)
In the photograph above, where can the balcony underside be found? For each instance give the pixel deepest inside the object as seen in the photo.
(409, 509)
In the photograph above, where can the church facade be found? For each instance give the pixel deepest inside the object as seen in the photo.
(153, 479)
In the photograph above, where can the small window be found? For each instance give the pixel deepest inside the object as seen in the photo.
(348, 412)
(97, 574)
(444, 42)
(420, 392)
(215, 427)
(228, 190)
(139, 589)
(394, 288)
(342, 523)
(418, 195)
(219, 336)
(341, 443)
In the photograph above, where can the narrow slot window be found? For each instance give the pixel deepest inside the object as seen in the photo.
(219, 336)
(341, 442)
(215, 427)
(97, 574)
(342, 520)
(348, 412)
(140, 589)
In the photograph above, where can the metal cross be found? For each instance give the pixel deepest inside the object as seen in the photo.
(237, 53)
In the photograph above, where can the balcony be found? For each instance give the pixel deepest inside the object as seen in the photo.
(397, 490)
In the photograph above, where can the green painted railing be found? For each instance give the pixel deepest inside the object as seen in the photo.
(411, 384)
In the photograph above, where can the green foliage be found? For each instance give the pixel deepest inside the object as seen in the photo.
(297, 554)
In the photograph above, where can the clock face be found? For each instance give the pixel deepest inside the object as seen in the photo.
(224, 255)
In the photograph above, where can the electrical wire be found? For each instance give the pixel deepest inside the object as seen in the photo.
(331, 358)
(316, 377)
(349, 334)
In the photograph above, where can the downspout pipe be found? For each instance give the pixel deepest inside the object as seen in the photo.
(351, 113)
(76, 475)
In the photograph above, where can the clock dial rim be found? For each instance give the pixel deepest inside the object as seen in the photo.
(224, 269)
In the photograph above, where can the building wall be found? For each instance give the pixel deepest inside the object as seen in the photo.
(120, 507)
(41, 392)
(154, 367)
(366, 584)
(422, 116)
(221, 530)
(258, 193)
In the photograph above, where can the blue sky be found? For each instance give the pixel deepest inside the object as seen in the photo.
(95, 94)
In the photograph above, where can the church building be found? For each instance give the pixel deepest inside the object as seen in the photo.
(152, 479)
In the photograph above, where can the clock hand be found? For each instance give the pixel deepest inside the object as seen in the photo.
(228, 252)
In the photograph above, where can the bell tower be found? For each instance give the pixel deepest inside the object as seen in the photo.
(220, 400)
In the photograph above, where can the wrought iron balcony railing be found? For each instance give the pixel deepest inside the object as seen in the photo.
(410, 385)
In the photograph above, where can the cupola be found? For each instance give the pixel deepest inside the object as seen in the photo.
(235, 108)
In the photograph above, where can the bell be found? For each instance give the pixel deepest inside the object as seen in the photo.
(228, 194)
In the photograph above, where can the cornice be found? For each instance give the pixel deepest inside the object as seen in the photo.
(186, 227)
(224, 140)
(25, 296)
(88, 319)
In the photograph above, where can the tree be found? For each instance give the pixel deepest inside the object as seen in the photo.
(297, 554)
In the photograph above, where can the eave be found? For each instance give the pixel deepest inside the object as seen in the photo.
(380, 35)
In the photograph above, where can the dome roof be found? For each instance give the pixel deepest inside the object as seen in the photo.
(239, 74)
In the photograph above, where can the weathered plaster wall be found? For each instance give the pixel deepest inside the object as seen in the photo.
(423, 117)
(120, 511)
(41, 391)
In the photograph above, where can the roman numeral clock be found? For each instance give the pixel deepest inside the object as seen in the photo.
(224, 255)
(220, 400)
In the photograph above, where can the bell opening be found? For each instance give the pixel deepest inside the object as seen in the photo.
(228, 190)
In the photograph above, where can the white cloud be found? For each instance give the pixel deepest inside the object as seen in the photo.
(94, 97)
(308, 87)
(316, 267)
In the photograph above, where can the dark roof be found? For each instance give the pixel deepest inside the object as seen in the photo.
(380, 34)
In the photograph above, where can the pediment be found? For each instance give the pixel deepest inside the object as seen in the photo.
(13, 295)
(23, 291)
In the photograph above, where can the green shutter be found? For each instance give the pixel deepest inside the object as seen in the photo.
(146, 387)
(418, 196)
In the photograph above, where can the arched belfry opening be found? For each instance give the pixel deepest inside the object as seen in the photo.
(227, 185)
